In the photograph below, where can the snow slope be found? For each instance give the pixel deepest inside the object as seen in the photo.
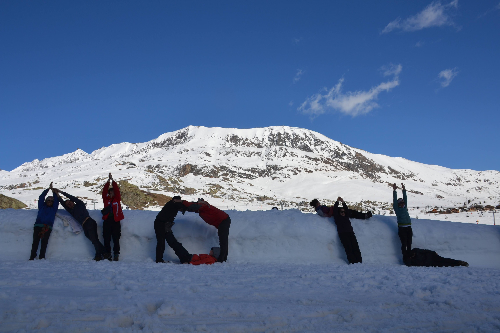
(286, 273)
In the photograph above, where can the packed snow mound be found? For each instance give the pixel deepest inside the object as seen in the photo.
(260, 237)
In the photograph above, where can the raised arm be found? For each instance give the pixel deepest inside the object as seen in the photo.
(116, 188)
(41, 198)
(405, 199)
(72, 198)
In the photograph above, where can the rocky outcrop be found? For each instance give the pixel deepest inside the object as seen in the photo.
(135, 198)
(7, 202)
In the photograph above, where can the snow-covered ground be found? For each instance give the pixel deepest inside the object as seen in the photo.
(286, 273)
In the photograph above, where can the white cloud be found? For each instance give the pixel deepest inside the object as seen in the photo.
(350, 103)
(434, 15)
(419, 44)
(446, 76)
(298, 75)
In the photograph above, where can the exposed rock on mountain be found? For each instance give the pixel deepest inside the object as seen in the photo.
(6, 202)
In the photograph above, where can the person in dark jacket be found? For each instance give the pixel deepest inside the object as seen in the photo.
(163, 227)
(47, 209)
(327, 211)
(215, 217)
(112, 216)
(405, 231)
(78, 210)
(429, 258)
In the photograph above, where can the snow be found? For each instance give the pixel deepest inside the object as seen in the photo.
(286, 272)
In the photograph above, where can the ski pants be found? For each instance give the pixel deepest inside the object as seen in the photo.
(223, 232)
(351, 247)
(439, 261)
(44, 237)
(180, 251)
(111, 230)
(405, 235)
(90, 231)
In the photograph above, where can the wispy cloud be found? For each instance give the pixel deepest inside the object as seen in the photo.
(298, 75)
(446, 76)
(497, 7)
(419, 44)
(350, 103)
(434, 15)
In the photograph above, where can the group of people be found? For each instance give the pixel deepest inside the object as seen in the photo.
(411, 257)
(112, 216)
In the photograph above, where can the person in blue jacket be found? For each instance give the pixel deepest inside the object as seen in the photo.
(405, 232)
(78, 210)
(47, 209)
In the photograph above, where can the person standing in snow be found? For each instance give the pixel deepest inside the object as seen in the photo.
(78, 210)
(47, 209)
(112, 216)
(344, 228)
(163, 226)
(429, 258)
(327, 211)
(215, 217)
(405, 232)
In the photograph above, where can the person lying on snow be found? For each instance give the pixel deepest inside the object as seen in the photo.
(429, 258)
(327, 211)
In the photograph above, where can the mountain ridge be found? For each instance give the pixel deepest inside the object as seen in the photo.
(253, 169)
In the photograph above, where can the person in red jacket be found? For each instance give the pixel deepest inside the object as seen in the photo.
(112, 214)
(215, 217)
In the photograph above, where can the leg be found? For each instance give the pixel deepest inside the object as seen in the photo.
(355, 248)
(439, 261)
(36, 240)
(180, 251)
(223, 232)
(160, 240)
(116, 234)
(345, 239)
(107, 226)
(90, 230)
(403, 236)
(45, 241)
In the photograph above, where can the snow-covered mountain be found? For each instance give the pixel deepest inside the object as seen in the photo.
(253, 169)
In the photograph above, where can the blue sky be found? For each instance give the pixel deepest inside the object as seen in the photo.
(416, 79)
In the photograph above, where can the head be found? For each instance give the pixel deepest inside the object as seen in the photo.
(274, 208)
(201, 200)
(215, 252)
(70, 204)
(315, 203)
(342, 212)
(401, 203)
(49, 201)
(111, 192)
(177, 198)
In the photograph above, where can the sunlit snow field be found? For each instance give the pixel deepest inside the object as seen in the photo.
(286, 272)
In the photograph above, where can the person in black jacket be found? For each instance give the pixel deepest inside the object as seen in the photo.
(346, 233)
(163, 229)
(429, 258)
(78, 210)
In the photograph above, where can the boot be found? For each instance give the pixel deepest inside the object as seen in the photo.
(98, 257)
(115, 258)
(107, 256)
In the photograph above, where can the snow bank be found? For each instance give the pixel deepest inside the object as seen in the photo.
(260, 237)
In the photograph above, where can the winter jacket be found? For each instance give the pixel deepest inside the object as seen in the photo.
(168, 213)
(115, 202)
(343, 223)
(46, 214)
(207, 212)
(401, 213)
(200, 259)
(79, 212)
(324, 211)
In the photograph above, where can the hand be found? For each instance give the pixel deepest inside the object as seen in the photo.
(110, 177)
(394, 187)
(50, 186)
(403, 187)
(55, 190)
